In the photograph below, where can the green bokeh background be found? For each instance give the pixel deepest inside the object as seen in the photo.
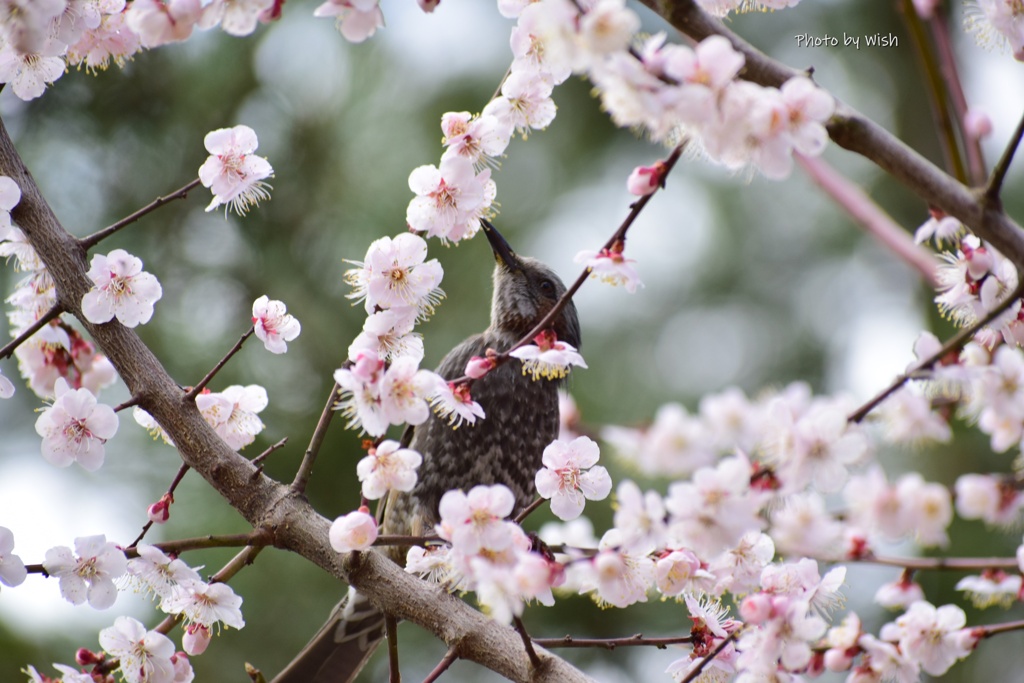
(749, 283)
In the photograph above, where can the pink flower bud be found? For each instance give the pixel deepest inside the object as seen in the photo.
(428, 6)
(756, 608)
(644, 180)
(477, 367)
(837, 660)
(160, 511)
(977, 124)
(196, 639)
(86, 657)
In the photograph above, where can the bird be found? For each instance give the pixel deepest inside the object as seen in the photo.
(506, 447)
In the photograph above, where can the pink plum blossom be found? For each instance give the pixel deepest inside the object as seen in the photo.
(273, 325)
(75, 428)
(388, 335)
(609, 265)
(476, 520)
(929, 636)
(145, 656)
(121, 289)
(388, 467)
(29, 74)
(12, 569)
(395, 273)
(355, 531)
(547, 357)
(232, 172)
(205, 603)
(235, 17)
(481, 139)
(454, 403)
(89, 576)
(645, 180)
(451, 199)
(158, 22)
(357, 20)
(570, 474)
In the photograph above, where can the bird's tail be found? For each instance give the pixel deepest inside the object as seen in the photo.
(342, 647)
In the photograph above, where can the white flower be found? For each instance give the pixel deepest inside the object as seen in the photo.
(477, 138)
(357, 19)
(355, 531)
(395, 274)
(235, 416)
(120, 289)
(388, 335)
(620, 578)
(476, 520)
(145, 656)
(388, 467)
(158, 22)
(90, 576)
(612, 267)
(75, 428)
(205, 603)
(564, 481)
(548, 357)
(12, 569)
(929, 636)
(232, 172)
(272, 324)
(451, 199)
(404, 391)
(454, 402)
(158, 573)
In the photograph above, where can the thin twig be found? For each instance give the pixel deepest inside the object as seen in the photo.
(442, 666)
(634, 640)
(43, 321)
(970, 564)
(391, 631)
(527, 642)
(91, 240)
(395, 539)
(714, 653)
(130, 403)
(996, 629)
(190, 396)
(995, 181)
(170, 495)
(953, 344)
(529, 509)
(315, 442)
(270, 449)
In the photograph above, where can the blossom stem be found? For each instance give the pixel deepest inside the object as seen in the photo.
(527, 642)
(263, 456)
(301, 479)
(395, 539)
(191, 396)
(995, 181)
(391, 631)
(442, 666)
(953, 344)
(637, 639)
(43, 321)
(529, 509)
(91, 240)
(996, 629)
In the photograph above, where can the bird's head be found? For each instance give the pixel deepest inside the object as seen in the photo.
(525, 290)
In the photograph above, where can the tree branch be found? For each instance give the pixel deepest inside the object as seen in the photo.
(93, 239)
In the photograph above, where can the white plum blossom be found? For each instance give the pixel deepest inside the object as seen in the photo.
(454, 403)
(235, 17)
(29, 74)
(803, 526)
(232, 172)
(121, 289)
(481, 139)
(676, 444)
(475, 520)
(940, 227)
(158, 22)
(548, 357)
(12, 569)
(25, 24)
(997, 22)
(395, 274)
(929, 636)
(145, 656)
(450, 199)
(989, 498)
(992, 587)
(359, 394)
(153, 571)
(388, 467)
(204, 603)
(404, 391)
(357, 20)
(680, 570)
(355, 531)
(525, 103)
(234, 413)
(6, 387)
(902, 592)
(640, 516)
(619, 577)
(75, 428)
(609, 265)
(909, 418)
(273, 325)
(570, 474)
(89, 576)
(388, 334)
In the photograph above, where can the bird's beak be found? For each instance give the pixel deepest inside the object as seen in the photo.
(503, 253)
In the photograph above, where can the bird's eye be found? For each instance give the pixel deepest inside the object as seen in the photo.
(547, 288)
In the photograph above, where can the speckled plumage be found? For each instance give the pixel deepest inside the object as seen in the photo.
(503, 448)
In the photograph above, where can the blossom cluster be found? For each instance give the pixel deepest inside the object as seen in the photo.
(233, 414)
(382, 383)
